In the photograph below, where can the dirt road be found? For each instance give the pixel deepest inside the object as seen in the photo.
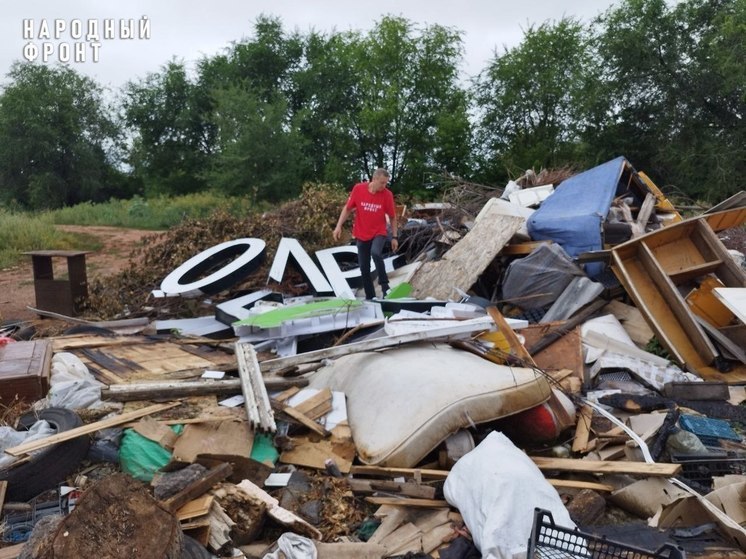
(17, 284)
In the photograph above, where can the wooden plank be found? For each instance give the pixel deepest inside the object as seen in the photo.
(462, 265)
(565, 354)
(405, 538)
(90, 428)
(406, 489)
(601, 467)
(520, 249)
(317, 405)
(583, 429)
(300, 418)
(3, 490)
(396, 472)
(11, 552)
(516, 347)
(445, 333)
(181, 389)
(195, 508)
(419, 503)
(198, 487)
(256, 399)
(574, 484)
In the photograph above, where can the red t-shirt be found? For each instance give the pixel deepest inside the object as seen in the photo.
(370, 217)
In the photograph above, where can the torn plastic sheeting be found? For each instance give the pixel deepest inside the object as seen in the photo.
(574, 215)
(9, 438)
(404, 402)
(609, 326)
(650, 373)
(537, 280)
(578, 293)
(72, 386)
(496, 487)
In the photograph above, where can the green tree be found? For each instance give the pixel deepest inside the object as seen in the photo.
(58, 142)
(532, 100)
(173, 138)
(411, 114)
(259, 150)
(675, 91)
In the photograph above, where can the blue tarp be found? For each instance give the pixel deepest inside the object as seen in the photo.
(574, 214)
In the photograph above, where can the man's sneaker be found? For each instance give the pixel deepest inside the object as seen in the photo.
(385, 290)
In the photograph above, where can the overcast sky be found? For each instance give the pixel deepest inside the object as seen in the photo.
(191, 29)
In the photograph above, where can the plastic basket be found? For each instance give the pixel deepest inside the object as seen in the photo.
(549, 541)
(701, 468)
(708, 430)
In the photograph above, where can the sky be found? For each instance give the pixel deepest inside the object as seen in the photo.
(189, 30)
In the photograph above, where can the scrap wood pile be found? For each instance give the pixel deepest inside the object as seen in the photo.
(506, 390)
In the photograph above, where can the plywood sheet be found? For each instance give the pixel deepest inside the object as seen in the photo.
(462, 265)
(565, 353)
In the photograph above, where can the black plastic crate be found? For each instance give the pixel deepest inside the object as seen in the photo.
(549, 541)
(701, 468)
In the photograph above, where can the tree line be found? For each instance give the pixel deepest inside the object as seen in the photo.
(663, 85)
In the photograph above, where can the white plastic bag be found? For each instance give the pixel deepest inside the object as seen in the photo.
(496, 488)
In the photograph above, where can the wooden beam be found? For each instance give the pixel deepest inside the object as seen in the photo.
(445, 333)
(602, 467)
(406, 489)
(573, 484)
(184, 389)
(256, 399)
(422, 503)
(90, 428)
(396, 472)
(198, 487)
(516, 347)
(299, 417)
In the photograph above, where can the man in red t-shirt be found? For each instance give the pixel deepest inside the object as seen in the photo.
(372, 202)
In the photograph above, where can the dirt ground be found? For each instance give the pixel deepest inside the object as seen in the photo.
(17, 283)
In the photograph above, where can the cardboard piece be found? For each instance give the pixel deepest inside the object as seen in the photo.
(157, 432)
(313, 452)
(228, 437)
(643, 498)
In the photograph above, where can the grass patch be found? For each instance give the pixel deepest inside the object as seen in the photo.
(20, 233)
(153, 214)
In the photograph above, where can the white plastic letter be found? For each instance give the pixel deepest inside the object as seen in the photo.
(242, 257)
(306, 266)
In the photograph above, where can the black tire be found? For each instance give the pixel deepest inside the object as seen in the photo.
(192, 549)
(51, 465)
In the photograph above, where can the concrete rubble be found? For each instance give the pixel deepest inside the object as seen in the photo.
(569, 358)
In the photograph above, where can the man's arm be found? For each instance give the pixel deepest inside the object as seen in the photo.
(344, 214)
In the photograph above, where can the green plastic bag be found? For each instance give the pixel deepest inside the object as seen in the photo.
(141, 457)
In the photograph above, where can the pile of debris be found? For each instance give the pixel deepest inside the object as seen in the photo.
(568, 354)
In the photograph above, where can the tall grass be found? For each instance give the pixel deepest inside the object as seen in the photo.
(22, 232)
(153, 213)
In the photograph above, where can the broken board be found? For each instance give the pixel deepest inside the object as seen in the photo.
(462, 265)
